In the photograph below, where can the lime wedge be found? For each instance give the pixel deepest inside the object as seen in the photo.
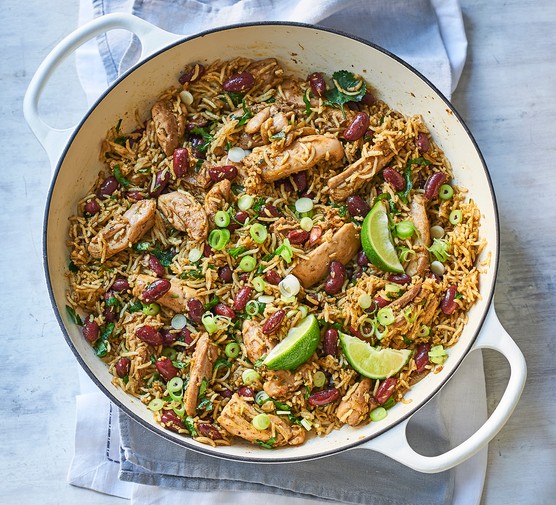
(298, 346)
(370, 362)
(377, 241)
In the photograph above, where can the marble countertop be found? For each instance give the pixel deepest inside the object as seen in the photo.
(507, 97)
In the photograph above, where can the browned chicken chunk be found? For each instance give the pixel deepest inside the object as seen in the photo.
(420, 261)
(280, 383)
(169, 127)
(215, 198)
(356, 404)
(257, 344)
(184, 213)
(175, 299)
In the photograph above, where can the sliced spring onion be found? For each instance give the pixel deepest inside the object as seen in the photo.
(222, 219)
(304, 311)
(438, 355)
(176, 396)
(306, 223)
(259, 284)
(437, 267)
(378, 414)
(250, 376)
(388, 404)
(236, 154)
(424, 331)
(289, 286)
(155, 404)
(175, 384)
(440, 248)
(404, 252)
(319, 379)
(258, 232)
(437, 231)
(367, 327)
(194, 255)
(261, 397)
(218, 239)
(385, 316)
(209, 322)
(151, 309)
(288, 299)
(306, 424)
(392, 288)
(170, 353)
(178, 322)
(455, 216)
(186, 97)
(179, 409)
(365, 301)
(261, 422)
(248, 263)
(304, 205)
(291, 313)
(285, 251)
(265, 299)
(245, 202)
(405, 229)
(252, 307)
(232, 350)
(445, 192)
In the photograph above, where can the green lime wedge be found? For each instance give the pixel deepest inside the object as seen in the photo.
(370, 362)
(298, 346)
(377, 241)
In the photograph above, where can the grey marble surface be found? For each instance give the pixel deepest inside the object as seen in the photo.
(507, 97)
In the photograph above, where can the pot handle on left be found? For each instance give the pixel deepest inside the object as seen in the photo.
(52, 139)
(393, 443)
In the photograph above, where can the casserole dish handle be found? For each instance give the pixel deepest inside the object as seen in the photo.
(394, 444)
(52, 139)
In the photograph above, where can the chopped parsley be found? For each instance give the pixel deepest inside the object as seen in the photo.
(72, 267)
(307, 102)
(73, 316)
(212, 303)
(408, 185)
(165, 257)
(101, 347)
(348, 87)
(120, 140)
(119, 177)
(142, 246)
(135, 307)
(269, 444)
(190, 425)
(237, 189)
(247, 114)
(207, 137)
(234, 252)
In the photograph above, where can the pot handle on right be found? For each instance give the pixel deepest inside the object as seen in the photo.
(393, 443)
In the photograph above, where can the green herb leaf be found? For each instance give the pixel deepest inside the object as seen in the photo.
(192, 274)
(206, 404)
(72, 267)
(347, 88)
(212, 303)
(408, 185)
(307, 102)
(118, 125)
(269, 444)
(190, 425)
(165, 257)
(205, 133)
(203, 388)
(142, 246)
(135, 307)
(234, 252)
(221, 362)
(247, 114)
(119, 177)
(237, 189)
(112, 302)
(101, 347)
(278, 136)
(418, 161)
(282, 406)
(180, 364)
(259, 362)
(236, 98)
(258, 204)
(342, 209)
(295, 420)
(120, 141)
(73, 316)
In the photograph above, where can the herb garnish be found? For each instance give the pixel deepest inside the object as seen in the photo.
(119, 177)
(348, 87)
(73, 316)
(269, 444)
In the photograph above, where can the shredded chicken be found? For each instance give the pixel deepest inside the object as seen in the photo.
(280, 383)
(169, 127)
(215, 198)
(184, 213)
(420, 261)
(176, 298)
(257, 344)
(356, 404)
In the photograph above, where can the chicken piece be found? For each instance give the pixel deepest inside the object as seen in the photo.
(122, 231)
(280, 383)
(254, 124)
(257, 344)
(184, 213)
(364, 169)
(236, 419)
(293, 94)
(169, 128)
(175, 299)
(216, 197)
(197, 179)
(200, 369)
(342, 247)
(420, 261)
(267, 72)
(356, 404)
(409, 295)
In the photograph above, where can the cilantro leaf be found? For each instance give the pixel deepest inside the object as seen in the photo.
(307, 103)
(207, 137)
(72, 267)
(234, 252)
(101, 347)
(119, 177)
(165, 257)
(348, 87)
(269, 444)
(73, 316)
(408, 184)
(247, 114)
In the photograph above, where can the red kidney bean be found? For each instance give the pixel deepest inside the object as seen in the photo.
(448, 304)
(368, 99)
(433, 184)
(436, 277)
(156, 266)
(399, 278)
(422, 357)
(273, 322)
(195, 310)
(191, 73)
(180, 162)
(168, 338)
(246, 392)
(225, 274)
(92, 207)
(209, 431)
(221, 309)
(155, 290)
(198, 122)
(149, 335)
(336, 278)
(314, 235)
(380, 302)
(330, 342)
(357, 206)
(297, 237)
(269, 210)
(171, 421)
(135, 196)
(317, 83)
(222, 172)
(122, 367)
(355, 106)
(207, 251)
(324, 397)
(300, 181)
(134, 139)
(91, 330)
(185, 336)
(273, 277)
(238, 83)
(108, 186)
(120, 284)
(226, 393)
(196, 142)
(284, 184)
(241, 217)
(362, 259)
(422, 142)
(385, 390)
(242, 297)
(357, 273)
(357, 127)
(394, 178)
(165, 368)
(110, 315)
(161, 180)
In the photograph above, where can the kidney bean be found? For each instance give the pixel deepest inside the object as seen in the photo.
(156, 266)
(380, 302)
(165, 368)
(269, 210)
(385, 390)
(357, 127)
(209, 431)
(284, 184)
(149, 335)
(362, 259)
(324, 397)
(242, 297)
(336, 278)
(196, 142)
(448, 304)
(135, 196)
(314, 235)
(357, 273)
(273, 322)
(120, 284)
(226, 393)
(330, 342)
(246, 392)
(394, 178)
(433, 184)
(356, 333)
(207, 251)
(368, 98)
(238, 83)
(222, 172)
(161, 180)
(357, 206)
(122, 367)
(110, 315)
(198, 122)
(399, 278)
(168, 338)
(107, 187)
(297, 237)
(273, 277)
(134, 139)
(91, 330)
(240, 216)
(191, 73)
(317, 83)
(180, 162)
(92, 207)
(225, 274)
(155, 290)
(185, 336)
(195, 310)
(221, 309)
(436, 277)
(171, 421)
(422, 142)
(244, 276)
(422, 357)
(354, 106)
(300, 181)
